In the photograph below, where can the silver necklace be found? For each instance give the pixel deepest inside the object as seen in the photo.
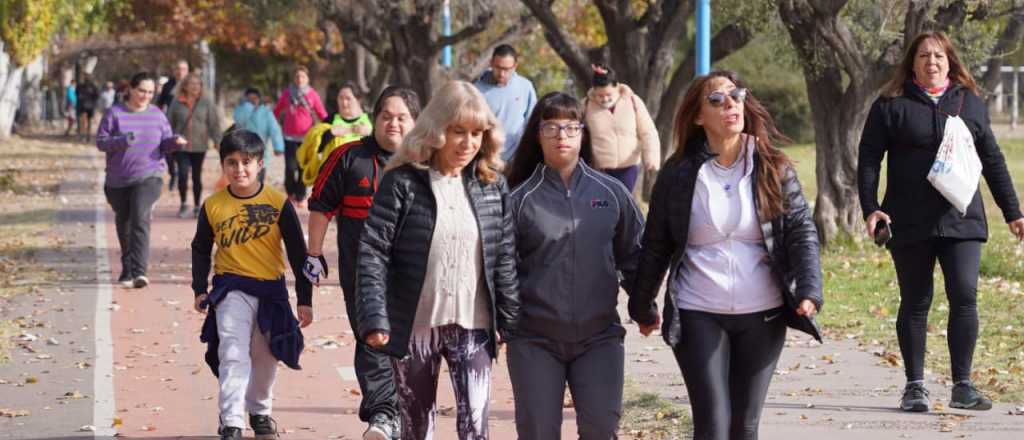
(727, 176)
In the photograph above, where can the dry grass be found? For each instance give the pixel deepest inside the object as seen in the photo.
(31, 171)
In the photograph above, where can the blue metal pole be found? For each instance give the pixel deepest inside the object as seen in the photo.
(703, 39)
(446, 20)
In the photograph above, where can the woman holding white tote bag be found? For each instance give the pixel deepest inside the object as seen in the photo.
(920, 122)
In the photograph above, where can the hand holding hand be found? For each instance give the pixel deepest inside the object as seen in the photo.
(646, 330)
(873, 220)
(806, 308)
(314, 266)
(305, 316)
(377, 339)
(180, 140)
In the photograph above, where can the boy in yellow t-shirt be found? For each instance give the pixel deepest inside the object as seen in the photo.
(249, 299)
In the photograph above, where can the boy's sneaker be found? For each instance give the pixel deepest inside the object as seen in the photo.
(183, 211)
(966, 396)
(264, 426)
(381, 427)
(915, 398)
(126, 280)
(140, 282)
(230, 433)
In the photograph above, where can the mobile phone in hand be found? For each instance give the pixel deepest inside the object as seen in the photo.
(883, 233)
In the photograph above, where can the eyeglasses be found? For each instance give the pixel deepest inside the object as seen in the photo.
(717, 99)
(144, 91)
(551, 129)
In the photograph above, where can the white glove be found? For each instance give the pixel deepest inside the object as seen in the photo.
(315, 265)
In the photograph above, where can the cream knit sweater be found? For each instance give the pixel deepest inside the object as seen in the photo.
(624, 137)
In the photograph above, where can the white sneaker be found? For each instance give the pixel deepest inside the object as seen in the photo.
(381, 428)
(140, 282)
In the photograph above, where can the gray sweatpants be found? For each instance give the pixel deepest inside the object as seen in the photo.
(540, 368)
(248, 369)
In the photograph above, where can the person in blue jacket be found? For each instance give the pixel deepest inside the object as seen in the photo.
(251, 115)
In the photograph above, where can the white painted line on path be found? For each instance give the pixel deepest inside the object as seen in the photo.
(103, 371)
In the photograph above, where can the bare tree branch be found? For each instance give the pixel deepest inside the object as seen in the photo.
(520, 29)
(1009, 42)
(560, 40)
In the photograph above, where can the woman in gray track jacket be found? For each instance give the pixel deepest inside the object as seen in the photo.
(577, 230)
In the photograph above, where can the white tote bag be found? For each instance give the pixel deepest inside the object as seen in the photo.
(957, 168)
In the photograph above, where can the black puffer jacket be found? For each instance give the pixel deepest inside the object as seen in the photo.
(910, 128)
(791, 241)
(395, 244)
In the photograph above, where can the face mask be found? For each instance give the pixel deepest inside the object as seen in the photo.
(608, 102)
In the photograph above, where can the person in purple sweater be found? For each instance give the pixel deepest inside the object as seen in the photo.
(135, 137)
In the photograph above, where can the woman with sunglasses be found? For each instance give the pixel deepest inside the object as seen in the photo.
(135, 137)
(576, 229)
(728, 218)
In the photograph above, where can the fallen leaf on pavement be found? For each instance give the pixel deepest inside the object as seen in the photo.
(12, 413)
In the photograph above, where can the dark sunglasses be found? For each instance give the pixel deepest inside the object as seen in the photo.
(717, 99)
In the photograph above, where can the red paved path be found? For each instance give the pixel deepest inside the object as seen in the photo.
(164, 389)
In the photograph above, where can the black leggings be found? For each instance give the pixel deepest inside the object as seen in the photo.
(193, 161)
(727, 363)
(915, 264)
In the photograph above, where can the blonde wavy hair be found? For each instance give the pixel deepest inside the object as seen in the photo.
(455, 102)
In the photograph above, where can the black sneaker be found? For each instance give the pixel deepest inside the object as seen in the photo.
(230, 433)
(126, 280)
(915, 398)
(264, 426)
(381, 427)
(966, 396)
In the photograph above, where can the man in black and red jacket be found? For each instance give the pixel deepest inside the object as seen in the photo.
(345, 187)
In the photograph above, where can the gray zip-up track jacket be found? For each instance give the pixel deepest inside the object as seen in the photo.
(575, 245)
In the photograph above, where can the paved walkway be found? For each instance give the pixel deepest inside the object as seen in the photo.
(97, 359)
(835, 391)
(130, 362)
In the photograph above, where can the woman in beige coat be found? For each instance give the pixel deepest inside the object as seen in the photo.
(194, 116)
(622, 132)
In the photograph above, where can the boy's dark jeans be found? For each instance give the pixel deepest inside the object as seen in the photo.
(133, 207)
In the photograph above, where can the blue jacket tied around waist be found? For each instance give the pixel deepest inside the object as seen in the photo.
(274, 317)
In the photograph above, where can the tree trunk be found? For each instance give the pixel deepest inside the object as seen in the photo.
(31, 93)
(837, 131)
(10, 91)
(1008, 41)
